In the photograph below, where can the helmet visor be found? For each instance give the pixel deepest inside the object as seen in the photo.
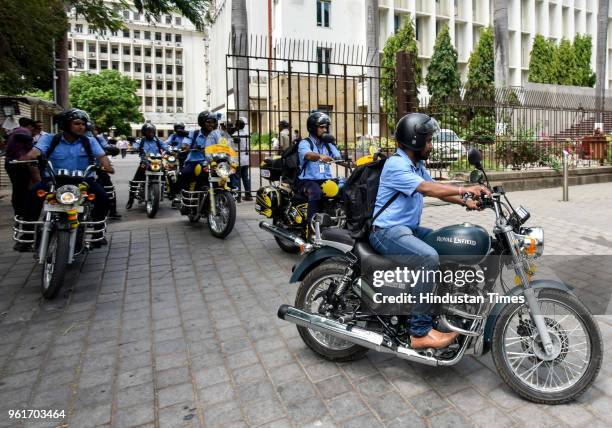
(431, 127)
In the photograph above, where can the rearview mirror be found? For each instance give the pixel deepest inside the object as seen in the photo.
(476, 176)
(474, 158)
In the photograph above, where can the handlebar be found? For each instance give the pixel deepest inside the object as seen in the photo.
(23, 162)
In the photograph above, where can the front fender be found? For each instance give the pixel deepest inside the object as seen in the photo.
(312, 260)
(538, 284)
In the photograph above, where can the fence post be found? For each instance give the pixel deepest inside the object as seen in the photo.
(405, 89)
(565, 176)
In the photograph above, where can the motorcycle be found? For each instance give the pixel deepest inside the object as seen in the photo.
(545, 343)
(209, 194)
(170, 165)
(288, 208)
(151, 190)
(66, 230)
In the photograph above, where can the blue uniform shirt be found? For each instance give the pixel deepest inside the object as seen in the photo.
(400, 175)
(70, 156)
(202, 141)
(176, 140)
(315, 170)
(150, 146)
(103, 142)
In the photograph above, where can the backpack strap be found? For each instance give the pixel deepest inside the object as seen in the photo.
(194, 137)
(57, 138)
(388, 203)
(54, 143)
(159, 146)
(305, 160)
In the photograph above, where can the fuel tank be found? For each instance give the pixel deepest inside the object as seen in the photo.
(461, 243)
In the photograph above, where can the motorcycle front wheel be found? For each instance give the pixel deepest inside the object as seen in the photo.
(522, 362)
(221, 224)
(309, 297)
(153, 200)
(55, 265)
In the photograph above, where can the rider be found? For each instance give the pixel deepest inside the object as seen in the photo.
(315, 152)
(149, 143)
(104, 178)
(71, 150)
(177, 139)
(397, 230)
(197, 141)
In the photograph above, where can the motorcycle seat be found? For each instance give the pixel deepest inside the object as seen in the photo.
(337, 235)
(372, 261)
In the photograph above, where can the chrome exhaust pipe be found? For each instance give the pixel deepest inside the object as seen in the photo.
(359, 336)
(284, 234)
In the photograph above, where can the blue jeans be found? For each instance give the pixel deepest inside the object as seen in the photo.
(402, 241)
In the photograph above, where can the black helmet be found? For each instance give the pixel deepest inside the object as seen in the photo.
(240, 124)
(316, 119)
(63, 119)
(148, 126)
(179, 126)
(204, 116)
(283, 124)
(412, 130)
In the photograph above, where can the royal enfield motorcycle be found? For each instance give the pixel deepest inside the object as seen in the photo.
(66, 229)
(288, 208)
(545, 343)
(170, 165)
(151, 190)
(209, 194)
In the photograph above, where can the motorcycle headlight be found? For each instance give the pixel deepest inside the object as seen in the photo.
(154, 166)
(532, 241)
(67, 194)
(223, 170)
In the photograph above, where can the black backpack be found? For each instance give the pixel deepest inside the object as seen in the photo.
(291, 160)
(359, 193)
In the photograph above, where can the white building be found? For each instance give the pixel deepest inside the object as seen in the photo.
(166, 58)
(344, 21)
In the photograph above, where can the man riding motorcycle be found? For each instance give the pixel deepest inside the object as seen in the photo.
(72, 150)
(177, 139)
(149, 143)
(315, 152)
(399, 205)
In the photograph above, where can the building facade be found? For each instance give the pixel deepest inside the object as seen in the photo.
(166, 58)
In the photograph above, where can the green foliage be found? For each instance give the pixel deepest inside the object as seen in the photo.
(43, 95)
(26, 43)
(403, 40)
(443, 79)
(481, 72)
(481, 129)
(565, 63)
(540, 69)
(109, 97)
(583, 46)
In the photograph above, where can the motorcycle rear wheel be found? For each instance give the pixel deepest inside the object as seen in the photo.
(326, 346)
(54, 267)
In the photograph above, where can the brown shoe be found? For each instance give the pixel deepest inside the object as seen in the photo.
(434, 339)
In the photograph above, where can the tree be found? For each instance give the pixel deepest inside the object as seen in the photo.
(540, 70)
(564, 62)
(583, 46)
(403, 40)
(240, 49)
(443, 79)
(109, 97)
(481, 68)
(100, 14)
(26, 44)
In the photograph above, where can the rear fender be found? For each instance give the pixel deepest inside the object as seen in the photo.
(312, 260)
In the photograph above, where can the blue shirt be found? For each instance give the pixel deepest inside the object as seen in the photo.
(316, 170)
(150, 146)
(202, 141)
(400, 175)
(70, 156)
(176, 140)
(103, 142)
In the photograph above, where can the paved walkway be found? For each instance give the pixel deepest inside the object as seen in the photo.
(168, 326)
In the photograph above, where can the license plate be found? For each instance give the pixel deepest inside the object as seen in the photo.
(265, 173)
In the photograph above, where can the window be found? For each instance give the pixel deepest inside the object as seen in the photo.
(169, 85)
(178, 38)
(127, 50)
(169, 102)
(158, 53)
(158, 37)
(78, 28)
(168, 69)
(168, 37)
(177, 20)
(139, 85)
(78, 63)
(323, 57)
(168, 53)
(179, 86)
(90, 30)
(126, 14)
(103, 32)
(147, 68)
(147, 35)
(147, 51)
(159, 69)
(114, 33)
(127, 66)
(179, 102)
(136, 16)
(115, 49)
(149, 101)
(103, 65)
(168, 19)
(79, 46)
(69, 45)
(148, 84)
(138, 67)
(115, 65)
(137, 34)
(160, 102)
(179, 55)
(93, 64)
(159, 85)
(103, 49)
(179, 70)
(137, 51)
(91, 47)
(323, 9)
(126, 34)
(397, 22)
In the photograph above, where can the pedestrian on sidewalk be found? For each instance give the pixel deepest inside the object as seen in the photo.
(18, 143)
(242, 136)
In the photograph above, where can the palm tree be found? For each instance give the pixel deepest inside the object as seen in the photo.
(240, 32)
(600, 61)
(500, 22)
(373, 50)
(106, 15)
